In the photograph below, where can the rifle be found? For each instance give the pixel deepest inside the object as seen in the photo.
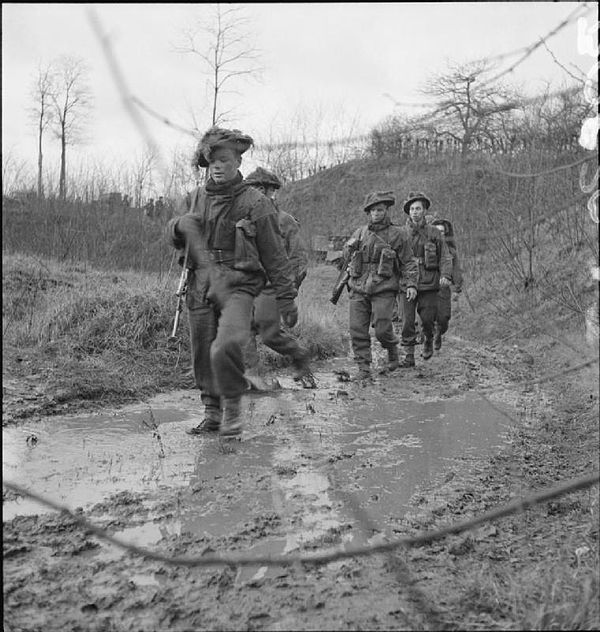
(180, 294)
(344, 275)
(340, 284)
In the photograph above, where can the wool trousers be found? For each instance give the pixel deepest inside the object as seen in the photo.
(426, 306)
(378, 308)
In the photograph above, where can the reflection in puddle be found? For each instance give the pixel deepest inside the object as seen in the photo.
(302, 461)
(81, 461)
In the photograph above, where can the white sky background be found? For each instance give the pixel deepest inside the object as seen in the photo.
(340, 57)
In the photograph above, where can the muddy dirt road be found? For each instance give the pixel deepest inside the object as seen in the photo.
(343, 465)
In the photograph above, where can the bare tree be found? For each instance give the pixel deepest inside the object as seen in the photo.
(466, 105)
(312, 138)
(221, 43)
(41, 113)
(72, 99)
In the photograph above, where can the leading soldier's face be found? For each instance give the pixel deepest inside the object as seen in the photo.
(377, 212)
(416, 211)
(223, 164)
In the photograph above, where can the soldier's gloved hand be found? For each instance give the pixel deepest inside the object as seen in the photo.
(289, 312)
(444, 282)
(411, 293)
(188, 226)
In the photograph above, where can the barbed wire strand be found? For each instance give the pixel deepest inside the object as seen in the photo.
(524, 49)
(400, 569)
(575, 14)
(362, 517)
(544, 378)
(516, 506)
(122, 89)
(496, 169)
(163, 119)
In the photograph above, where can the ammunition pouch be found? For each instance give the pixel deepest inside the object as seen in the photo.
(246, 253)
(430, 256)
(355, 268)
(385, 268)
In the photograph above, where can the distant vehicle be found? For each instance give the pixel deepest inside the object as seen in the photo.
(328, 249)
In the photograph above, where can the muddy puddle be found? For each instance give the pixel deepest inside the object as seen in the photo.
(316, 459)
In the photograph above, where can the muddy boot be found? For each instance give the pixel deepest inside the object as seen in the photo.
(231, 426)
(302, 372)
(212, 416)
(427, 348)
(409, 360)
(393, 360)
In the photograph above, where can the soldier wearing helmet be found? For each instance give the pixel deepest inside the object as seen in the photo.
(435, 271)
(379, 257)
(266, 320)
(444, 303)
(232, 234)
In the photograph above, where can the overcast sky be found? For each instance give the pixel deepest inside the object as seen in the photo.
(340, 57)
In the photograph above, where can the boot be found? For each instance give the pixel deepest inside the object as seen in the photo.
(393, 360)
(302, 372)
(409, 360)
(427, 348)
(437, 340)
(212, 416)
(231, 426)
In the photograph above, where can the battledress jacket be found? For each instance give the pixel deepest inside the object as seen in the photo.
(294, 246)
(457, 275)
(370, 240)
(431, 253)
(216, 222)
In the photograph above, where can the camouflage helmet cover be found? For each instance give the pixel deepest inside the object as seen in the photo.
(375, 197)
(220, 137)
(264, 177)
(414, 196)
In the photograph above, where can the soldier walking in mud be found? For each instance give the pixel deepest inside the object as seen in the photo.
(434, 271)
(378, 256)
(444, 305)
(232, 233)
(267, 321)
